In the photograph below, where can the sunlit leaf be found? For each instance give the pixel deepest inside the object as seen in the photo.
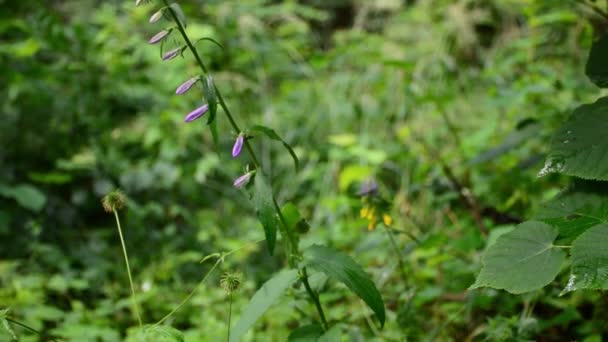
(306, 333)
(590, 260)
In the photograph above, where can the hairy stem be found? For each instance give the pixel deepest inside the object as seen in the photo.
(124, 252)
(252, 155)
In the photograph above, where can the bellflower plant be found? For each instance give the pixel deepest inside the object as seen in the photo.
(274, 218)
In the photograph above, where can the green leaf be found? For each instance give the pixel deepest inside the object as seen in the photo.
(579, 148)
(590, 260)
(210, 97)
(263, 203)
(5, 324)
(26, 195)
(179, 13)
(332, 335)
(160, 333)
(270, 133)
(576, 209)
(267, 295)
(344, 269)
(597, 68)
(306, 333)
(522, 260)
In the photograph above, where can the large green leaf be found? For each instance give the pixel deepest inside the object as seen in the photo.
(306, 333)
(160, 333)
(583, 205)
(265, 209)
(344, 269)
(597, 68)
(26, 195)
(522, 260)
(270, 133)
(269, 293)
(579, 148)
(590, 260)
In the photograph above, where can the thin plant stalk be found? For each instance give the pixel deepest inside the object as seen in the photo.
(229, 316)
(124, 251)
(27, 327)
(249, 149)
(398, 252)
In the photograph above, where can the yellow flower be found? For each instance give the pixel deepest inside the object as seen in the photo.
(387, 219)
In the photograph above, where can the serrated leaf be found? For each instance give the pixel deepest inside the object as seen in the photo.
(160, 333)
(522, 260)
(579, 148)
(270, 133)
(306, 333)
(583, 205)
(210, 97)
(590, 260)
(26, 195)
(597, 68)
(343, 268)
(267, 295)
(179, 13)
(263, 203)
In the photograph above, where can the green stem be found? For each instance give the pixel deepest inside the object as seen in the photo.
(124, 252)
(185, 300)
(229, 316)
(26, 327)
(250, 151)
(398, 252)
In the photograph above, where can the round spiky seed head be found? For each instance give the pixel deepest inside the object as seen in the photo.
(231, 281)
(115, 200)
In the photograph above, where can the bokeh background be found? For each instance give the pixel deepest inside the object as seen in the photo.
(427, 97)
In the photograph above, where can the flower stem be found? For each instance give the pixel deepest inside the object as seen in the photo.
(252, 155)
(398, 252)
(229, 316)
(124, 252)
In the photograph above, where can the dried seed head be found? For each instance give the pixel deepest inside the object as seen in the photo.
(115, 200)
(231, 281)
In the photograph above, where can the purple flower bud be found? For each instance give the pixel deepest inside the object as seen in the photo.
(156, 16)
(238, 145)
(243, 180)
(184, 87)
(159, 36)
(172, 54)
(369, 187)
(197, 113)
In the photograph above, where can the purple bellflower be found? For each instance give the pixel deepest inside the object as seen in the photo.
(159, 36)
(184, 87)
(243, 180)
(156, 16)
(369, 187)
(197, 113)
(238, 145)
(169, 55)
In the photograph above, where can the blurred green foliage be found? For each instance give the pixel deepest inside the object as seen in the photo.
(423, 96)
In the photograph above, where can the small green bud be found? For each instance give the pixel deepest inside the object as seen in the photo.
(115, 200)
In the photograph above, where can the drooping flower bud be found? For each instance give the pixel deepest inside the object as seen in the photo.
(197, 113)
(243, 180)
(138, 2)
(159, 36)
(156, 16)
(115, 200)
(172, 54)
(184, 87)
(238, 145)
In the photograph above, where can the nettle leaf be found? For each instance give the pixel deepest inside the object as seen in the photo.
(270, 133)
(522, 260)
(579, 148)
(597, 68)
(267, 295)
(264, 206)
(306, 333)
(179, 13)
(343, 268)
(590, 260)
(582, 206)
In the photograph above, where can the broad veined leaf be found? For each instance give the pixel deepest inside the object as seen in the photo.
(579, 148)
(26, 195)
(267, 295)
(306, 333)
(341, 267)
(590, 260)
(270, 133)
(264, 206)
(597, 68)
(583, 205)
(522, 260)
